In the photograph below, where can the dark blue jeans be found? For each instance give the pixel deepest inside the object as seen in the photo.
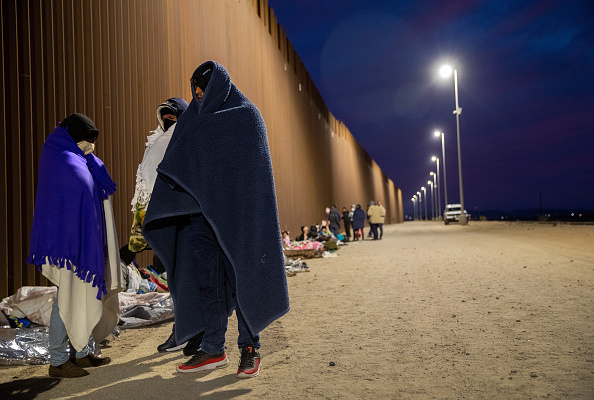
(374, 231)
(216, 276)
(334, 230)
(381, 230)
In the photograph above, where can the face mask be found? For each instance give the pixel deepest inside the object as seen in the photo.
(86, 147)
(167, 123)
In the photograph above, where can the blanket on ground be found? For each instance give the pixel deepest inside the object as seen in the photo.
(218, 163)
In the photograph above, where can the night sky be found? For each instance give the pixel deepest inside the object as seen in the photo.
(525, 80)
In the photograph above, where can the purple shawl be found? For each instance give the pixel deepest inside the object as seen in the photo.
(69, 222)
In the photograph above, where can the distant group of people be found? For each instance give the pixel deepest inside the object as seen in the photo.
(190, 190)
(355, 218)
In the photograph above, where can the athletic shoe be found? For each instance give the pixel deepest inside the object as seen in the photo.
(249, 365)
(193, 345)
(202, 361)
(171, 344)
(91, 360)
(67, 370)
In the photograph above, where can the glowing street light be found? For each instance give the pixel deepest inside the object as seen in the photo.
(414, 200)
(446, 71)
(420, 206)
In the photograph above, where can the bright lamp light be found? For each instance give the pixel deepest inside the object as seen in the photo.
(445, 71)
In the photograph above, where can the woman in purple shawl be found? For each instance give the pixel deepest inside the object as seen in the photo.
(73, 242)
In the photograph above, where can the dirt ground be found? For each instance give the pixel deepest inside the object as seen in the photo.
(492, 310)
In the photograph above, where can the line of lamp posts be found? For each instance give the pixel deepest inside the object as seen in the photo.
(417, 199)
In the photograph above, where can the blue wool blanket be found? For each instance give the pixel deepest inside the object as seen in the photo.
(69, 223)
(218, 163)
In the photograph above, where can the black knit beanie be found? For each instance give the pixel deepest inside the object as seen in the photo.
(80, 127)
(202, 76)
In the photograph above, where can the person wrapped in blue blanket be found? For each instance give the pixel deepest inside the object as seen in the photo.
(73, 242)
(214, 184)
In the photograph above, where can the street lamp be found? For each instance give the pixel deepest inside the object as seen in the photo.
(438, 186)
(432, 201)
(425, 201)
(445, 184)
(437, 200)
(446, 71)
(420, 206)
(414, 208)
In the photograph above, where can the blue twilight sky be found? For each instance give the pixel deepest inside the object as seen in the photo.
(526, 87)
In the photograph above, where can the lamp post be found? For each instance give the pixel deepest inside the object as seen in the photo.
(420, 206)
(414, 199)
(445, 184)
(445, 72)
(437, 200)
(432, 201)
(425, 200)
(438, 187)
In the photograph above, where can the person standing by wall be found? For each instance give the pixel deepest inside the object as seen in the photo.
(382, 213)
(73, 242)
(347, 223)
(334, 221)
(215, 183)
(359, 222)
(167, 114)
(373, 212)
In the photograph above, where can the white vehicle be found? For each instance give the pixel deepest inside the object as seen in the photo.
(452, 213)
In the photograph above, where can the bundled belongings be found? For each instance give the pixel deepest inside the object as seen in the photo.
(144, 309)
(302, 253)
(32, 302)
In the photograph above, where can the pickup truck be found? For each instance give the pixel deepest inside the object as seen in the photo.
(452, 213)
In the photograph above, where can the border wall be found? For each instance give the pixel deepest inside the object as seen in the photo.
(116, 60)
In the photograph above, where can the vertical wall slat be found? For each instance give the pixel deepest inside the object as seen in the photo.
(13, 113)
(26, 141)
(38, 114)
(5, 260)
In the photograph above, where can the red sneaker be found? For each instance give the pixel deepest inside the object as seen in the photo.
(249, 365)
(202, 361)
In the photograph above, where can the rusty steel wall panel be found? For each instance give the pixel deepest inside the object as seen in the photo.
(117, 60)
(5, 260)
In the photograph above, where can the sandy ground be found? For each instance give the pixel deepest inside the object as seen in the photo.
(492, 310)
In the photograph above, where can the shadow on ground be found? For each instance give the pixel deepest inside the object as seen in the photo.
(26, 389)
(136, 379)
